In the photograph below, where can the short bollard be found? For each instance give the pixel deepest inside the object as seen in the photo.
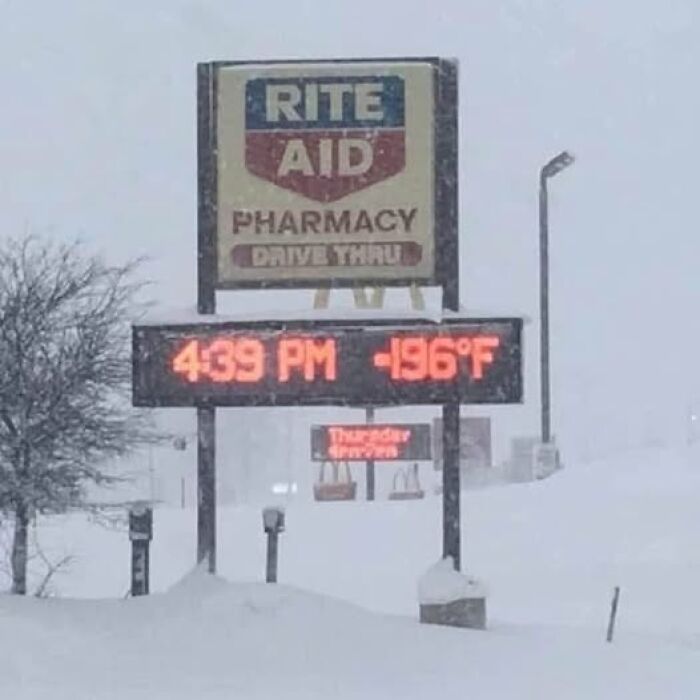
(140, 535)
(273, 524)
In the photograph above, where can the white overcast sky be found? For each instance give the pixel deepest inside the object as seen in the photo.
(97, 139)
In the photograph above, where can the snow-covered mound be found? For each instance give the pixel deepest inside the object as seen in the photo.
(212, 640)
(549, 554)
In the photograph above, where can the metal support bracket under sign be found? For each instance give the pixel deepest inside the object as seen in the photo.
(375, 300)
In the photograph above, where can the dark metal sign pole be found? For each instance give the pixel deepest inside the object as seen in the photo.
(369, 418)
(206, 486)
(448, 226)
(544, 314)
(451, 518)
(206, 304)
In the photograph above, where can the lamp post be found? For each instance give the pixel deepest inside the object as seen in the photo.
(180, 444)
(552, 168)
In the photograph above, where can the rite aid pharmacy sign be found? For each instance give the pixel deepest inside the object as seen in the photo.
(325, 138)
(330, 173)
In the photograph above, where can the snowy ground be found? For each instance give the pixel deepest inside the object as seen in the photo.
(550, 553)
(208, 639)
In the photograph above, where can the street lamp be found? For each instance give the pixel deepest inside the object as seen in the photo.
(181, 444)
(552, 168)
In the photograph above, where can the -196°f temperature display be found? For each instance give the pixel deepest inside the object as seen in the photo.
(328, 363)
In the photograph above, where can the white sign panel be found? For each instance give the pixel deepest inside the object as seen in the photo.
(325, 172)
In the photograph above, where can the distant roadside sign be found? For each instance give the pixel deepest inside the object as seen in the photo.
(387, 442)
(330, 172)
(474, 442)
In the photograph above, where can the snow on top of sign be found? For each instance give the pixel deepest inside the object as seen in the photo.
(190, 316)
(442, 584)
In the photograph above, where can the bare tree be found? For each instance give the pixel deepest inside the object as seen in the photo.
(52, 567)
(65, 376)
(42, 566)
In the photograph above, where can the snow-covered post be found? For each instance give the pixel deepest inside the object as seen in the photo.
(448, 597)
(273, 524)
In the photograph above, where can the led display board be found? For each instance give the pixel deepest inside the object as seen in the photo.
(378, 362)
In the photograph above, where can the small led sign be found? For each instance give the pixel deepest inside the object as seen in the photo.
(328, 363)
(376, 442)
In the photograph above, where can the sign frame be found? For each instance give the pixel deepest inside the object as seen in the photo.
(444, 178)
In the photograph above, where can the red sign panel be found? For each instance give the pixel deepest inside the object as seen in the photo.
(325, 137)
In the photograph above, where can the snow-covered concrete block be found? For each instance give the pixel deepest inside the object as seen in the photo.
(448, 597)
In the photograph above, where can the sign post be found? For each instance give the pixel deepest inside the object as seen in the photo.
(369, 467)
(451, 519)
(206, 304)
(446, 153)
